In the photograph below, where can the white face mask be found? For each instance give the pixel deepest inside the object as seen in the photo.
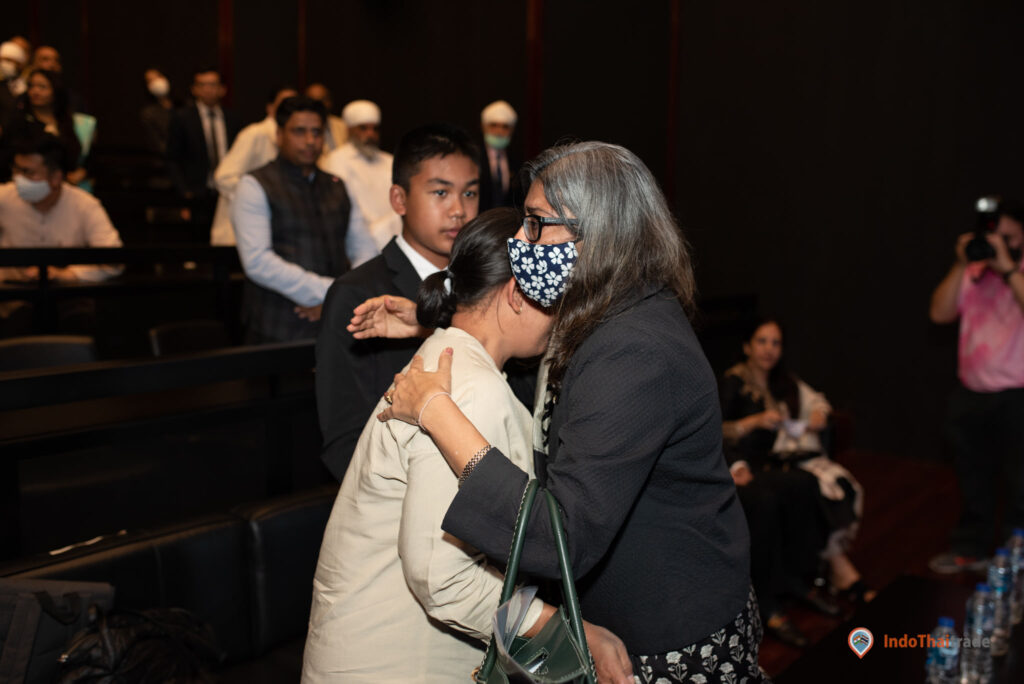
(159, 87)
(31, 191)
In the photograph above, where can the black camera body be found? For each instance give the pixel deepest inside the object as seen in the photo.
(987, 213)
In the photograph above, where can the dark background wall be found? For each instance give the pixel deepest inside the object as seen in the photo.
(821, 156)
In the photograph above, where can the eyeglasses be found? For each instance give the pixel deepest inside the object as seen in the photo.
(533, 225)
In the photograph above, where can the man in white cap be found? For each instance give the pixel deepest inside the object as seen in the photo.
(366, 170)
(498, 187)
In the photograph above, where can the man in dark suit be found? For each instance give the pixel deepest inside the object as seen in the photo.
(200, 135)
(435, 191)
(499, 165)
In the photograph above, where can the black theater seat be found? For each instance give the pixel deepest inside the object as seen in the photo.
(248, 574)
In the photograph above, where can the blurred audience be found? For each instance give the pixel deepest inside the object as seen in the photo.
(199, 136)
(336, 133)
(157, 112)
(366, 170)
(48, 58)
(498, 169)
(296, 230)
(255, 146)
(801, 505)
(40, 209)
(46, 106)
(13, 60)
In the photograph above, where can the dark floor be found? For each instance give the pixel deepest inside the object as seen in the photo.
(909, 508)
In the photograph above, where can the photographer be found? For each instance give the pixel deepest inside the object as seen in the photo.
(985, 420)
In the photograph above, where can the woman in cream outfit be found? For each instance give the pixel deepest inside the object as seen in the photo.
(394, 597)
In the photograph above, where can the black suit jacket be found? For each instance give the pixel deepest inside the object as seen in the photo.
(188, 160)
(351, 375)
(489, 196)
(656, 533)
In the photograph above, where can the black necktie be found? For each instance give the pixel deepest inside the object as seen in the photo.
(214, 149)
(499, 185)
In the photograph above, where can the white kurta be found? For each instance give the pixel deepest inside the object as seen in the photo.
(391, 588)
(254, 146)
(76, 220)
(369, 185)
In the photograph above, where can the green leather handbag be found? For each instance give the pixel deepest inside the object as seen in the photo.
(558, 653)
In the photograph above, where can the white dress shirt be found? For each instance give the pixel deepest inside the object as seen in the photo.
(250, 215)
(76, 220)
(368, 183)
(419, 262)
(388, 577)
(335, 135)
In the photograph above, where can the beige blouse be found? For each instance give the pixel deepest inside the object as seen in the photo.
(396, 599)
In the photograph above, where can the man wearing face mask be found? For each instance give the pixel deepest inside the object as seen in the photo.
(366, 170)
(985, 421)
(499, 167)
(39, 209)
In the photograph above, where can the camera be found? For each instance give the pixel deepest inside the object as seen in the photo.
(987, 218)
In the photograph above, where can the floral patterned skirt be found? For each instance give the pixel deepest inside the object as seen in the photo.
(729, 656)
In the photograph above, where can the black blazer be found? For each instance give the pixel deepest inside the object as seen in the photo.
(489, 197)
(656, 533)
(351, 375)
(188, 160)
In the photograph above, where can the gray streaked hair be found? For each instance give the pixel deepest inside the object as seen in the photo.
(627, 237)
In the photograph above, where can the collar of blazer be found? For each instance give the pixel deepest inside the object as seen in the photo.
(406, 280)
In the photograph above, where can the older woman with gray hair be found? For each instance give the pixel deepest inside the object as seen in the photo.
(628, 436)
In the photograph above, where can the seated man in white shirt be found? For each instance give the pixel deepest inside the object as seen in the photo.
(39, 209)
(366, 170)
(255, 146)
(296, 230)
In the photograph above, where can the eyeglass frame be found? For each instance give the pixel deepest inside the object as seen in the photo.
(542, 221)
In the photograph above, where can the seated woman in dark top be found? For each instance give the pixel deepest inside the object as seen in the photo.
(807, 505)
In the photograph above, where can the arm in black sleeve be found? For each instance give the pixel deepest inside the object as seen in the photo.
(608, 446)
(345, 383)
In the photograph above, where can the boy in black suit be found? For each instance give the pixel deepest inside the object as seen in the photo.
(436, 191)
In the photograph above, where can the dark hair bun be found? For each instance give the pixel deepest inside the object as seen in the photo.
(434, 305)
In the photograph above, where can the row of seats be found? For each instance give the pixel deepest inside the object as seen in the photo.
(42, 351)
(247, 573)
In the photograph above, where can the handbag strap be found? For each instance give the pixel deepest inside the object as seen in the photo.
(570, 599)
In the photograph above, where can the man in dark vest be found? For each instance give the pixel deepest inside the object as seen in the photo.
(296, 230)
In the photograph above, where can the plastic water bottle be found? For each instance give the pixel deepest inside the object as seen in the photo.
(943, 654)
(975, 654)
(1016, 546)
(1000, 581)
